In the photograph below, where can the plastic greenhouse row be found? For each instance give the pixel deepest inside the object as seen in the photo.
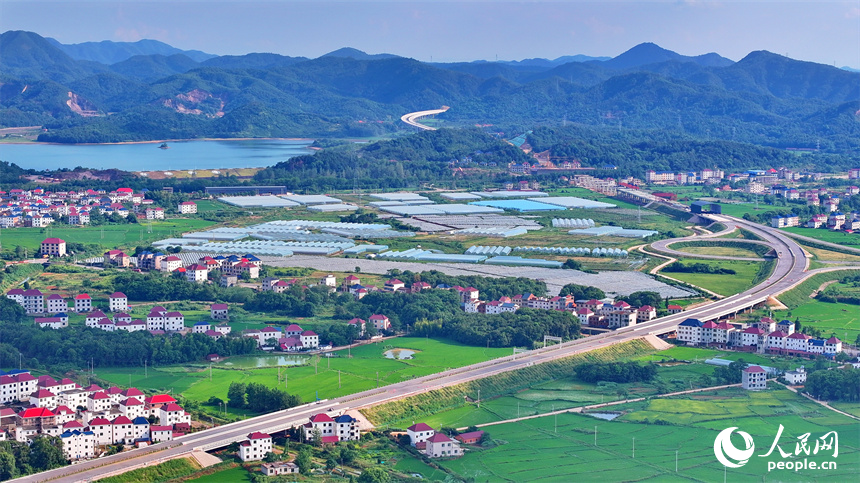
(597, 252)
(572, 222)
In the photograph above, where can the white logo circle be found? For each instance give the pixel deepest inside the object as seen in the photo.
(724, 450)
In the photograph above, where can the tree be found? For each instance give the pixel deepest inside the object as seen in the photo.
(303, 461)
(580, 292)
(7, 466)
(316, 437)
(374, 474)
(236, 395)
(330, 463)
(270, 457)
(46, 452)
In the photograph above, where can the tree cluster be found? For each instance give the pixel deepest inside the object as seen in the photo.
(835, 385)
(616, 372)
(21, 459)
(260, 398)
(524, 327)
(679, 267)
(582, 292)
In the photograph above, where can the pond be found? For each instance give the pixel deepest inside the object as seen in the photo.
(400, 354)
(605, 416)
(271, 361)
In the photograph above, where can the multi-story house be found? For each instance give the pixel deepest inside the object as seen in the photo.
(256, 447)
(83, 303)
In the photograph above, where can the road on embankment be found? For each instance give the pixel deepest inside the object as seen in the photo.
(412, 118)
(791, 265)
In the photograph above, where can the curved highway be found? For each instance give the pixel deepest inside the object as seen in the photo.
(412, 118)
(790, 270)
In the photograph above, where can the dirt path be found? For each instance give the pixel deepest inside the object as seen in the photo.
(823, 403)
(821, 288)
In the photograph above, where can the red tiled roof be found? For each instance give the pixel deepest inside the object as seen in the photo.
(329, 439)
(172, 407)
(258, 435)
(219, 307)
(36, 413)
(118, 295)
(73, 425)
(42, 393)
(753, 369)
(54, 240)
(160, 399)
(321, 418)
(131, 402)
(83, 296)
(121, 420)
(420, 427)
(438, 438)
(99, 395)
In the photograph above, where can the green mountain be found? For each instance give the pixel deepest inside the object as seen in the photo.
(108, 52)
(763, 99)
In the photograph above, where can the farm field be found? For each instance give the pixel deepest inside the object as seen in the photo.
(317, 377)
(841, 320)
(721, 251)
(108, 236)
(722, 284)
(847, 239)
(822, 254)
(563, 448)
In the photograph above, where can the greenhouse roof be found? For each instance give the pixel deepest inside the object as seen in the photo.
(333, 207)
(509, 194)
(267, 201)
(573, 202)
(519, 205)
(312, 199)
(460, 196)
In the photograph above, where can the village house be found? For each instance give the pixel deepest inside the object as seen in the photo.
(329, 281)
(324, 425)
(53, 247)
(117, 302)
(218, 311)
(187, 208)
(419, 433)
(196, 273)
(380, 322)
(83, 303)
(78, 445)
(279, 468)
(754, 378)
(441, 446)
(171, 264)
(257, 446)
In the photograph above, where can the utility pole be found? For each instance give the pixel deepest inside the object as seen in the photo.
(338, 379)
(210, 371)
(634, 448)
(377, 379)
(595, 436)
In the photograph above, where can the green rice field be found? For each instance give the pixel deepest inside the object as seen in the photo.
(315, 377)
(563, 448)
(108, 236)
(842, 238)
(722, 284)
(841, 320)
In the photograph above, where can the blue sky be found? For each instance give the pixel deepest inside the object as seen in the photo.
(826, 32)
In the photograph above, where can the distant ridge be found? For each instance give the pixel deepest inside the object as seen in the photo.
(350, 53)
(109, 52)
(650, 53)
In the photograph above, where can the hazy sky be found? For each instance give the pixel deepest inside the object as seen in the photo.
(820, 31)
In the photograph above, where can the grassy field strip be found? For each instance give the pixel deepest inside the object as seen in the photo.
(602, 405)
(723, 284)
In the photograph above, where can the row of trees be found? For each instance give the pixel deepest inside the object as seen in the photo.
(260, 398)
(679, 267)
(835, 385)
(75, 347)
(521, 328)
(616, 372)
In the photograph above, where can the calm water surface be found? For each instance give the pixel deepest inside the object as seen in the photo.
(182, 155)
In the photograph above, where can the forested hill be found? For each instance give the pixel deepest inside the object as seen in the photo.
(156, 92)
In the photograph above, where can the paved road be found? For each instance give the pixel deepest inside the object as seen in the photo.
(789, 271)
(412, 118)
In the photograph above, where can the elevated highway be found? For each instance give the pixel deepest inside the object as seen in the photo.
(412, 118)
(790, 270)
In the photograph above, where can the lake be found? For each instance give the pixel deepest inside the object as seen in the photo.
(182, 155)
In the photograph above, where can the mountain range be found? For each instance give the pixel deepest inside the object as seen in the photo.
(120, 91)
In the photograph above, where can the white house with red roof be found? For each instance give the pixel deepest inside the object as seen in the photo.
(17, 387)
(103, 430)
(309, 339)
(196, 273)
(219, 312)
(33, 301)
(441, 446)
(44, 398)
(645, 313)
(83, 303)
(160, 434)
(118, 302)
(154, 403)
(754, 378)
(394, 285)
(173, 413)
(188, 207)
(98, 402)
(419, 433)
(256, 447)
(123, 430)
(64, 414)
(293, 330)
(54, 247)
(16, 295)
(351, 280)
(174, 321)
(320, 422)
(132, 408)
(380, 322)
(93, 318)
(56, 304)
(675, 309)
(171, 263)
